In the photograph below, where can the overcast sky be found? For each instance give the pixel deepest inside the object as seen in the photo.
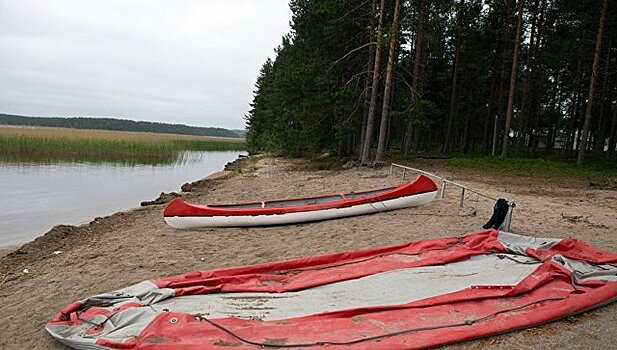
(191, 61)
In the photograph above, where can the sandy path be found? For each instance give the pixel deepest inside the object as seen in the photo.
(127, 248)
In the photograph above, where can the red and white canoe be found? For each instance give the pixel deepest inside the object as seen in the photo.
(181, 214)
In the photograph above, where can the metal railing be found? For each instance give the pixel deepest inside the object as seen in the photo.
(445, 183)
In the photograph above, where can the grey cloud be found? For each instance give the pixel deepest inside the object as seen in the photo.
(190, 61)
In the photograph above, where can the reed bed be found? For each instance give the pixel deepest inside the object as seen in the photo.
(38, 144)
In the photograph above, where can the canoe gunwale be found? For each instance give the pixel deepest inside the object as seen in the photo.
(340, 205)
(284, 218)
(179, 208)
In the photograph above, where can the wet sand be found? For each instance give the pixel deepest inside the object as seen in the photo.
(128, 247)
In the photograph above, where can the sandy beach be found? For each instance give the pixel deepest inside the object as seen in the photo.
(70, 263)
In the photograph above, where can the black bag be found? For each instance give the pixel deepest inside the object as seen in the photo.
(499, 214)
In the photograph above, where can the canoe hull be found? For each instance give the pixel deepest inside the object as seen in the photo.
(189, 222)
(181, 214)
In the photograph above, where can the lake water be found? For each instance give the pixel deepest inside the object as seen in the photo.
(35, 197)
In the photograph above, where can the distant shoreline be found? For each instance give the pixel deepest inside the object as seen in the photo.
(114, 124)
(162, 134)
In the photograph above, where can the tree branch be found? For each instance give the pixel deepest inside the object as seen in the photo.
(352, 51)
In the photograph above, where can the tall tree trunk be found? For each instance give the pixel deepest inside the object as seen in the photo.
(465, 139)
(414, 143)
(517, 39)
(351, 140)
(385, 111)
(579, 124)
(574, 121)
(486, 137)
(553, 119)
(416, 83)
(533, 102)
(592, 86)
(446, 144)
(612, 141)
(457, 55)
(368, 81)
(407, 138)
(342, 147)
(523, 127)
(502, 72)
(600, 133)
(366, 149)
(573, 111)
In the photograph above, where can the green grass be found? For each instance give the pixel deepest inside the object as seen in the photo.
(597, 172)
(19, 147)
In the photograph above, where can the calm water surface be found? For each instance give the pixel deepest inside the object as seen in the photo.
(34, 197)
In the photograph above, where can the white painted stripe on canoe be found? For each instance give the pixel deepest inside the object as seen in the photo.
(291, 218)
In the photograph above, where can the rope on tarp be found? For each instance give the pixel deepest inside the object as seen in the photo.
(467, 322)
(464, 189)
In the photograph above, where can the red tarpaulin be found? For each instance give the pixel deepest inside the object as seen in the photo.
(416, 295)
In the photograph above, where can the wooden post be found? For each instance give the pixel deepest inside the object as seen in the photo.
(508, 222)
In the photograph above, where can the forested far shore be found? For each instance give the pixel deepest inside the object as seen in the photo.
(118, 125)
(502, 78)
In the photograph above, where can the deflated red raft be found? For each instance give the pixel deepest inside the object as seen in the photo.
(417, 295)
